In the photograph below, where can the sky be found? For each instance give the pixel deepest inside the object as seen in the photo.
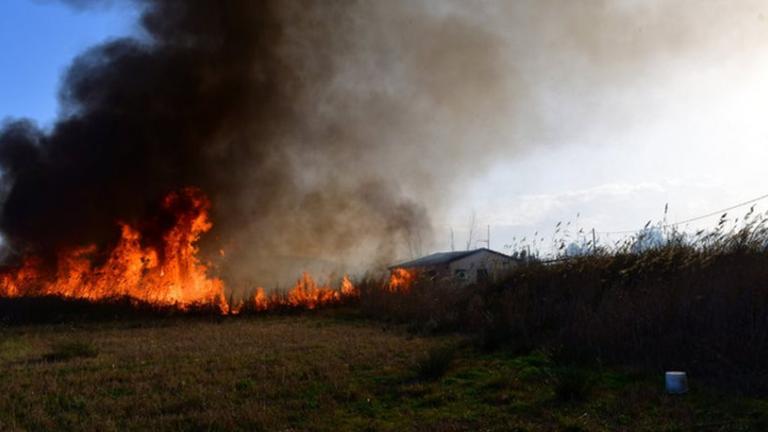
(668, 108)
(38, 40)
(620, 133)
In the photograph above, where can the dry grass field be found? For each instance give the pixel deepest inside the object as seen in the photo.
(323, 371)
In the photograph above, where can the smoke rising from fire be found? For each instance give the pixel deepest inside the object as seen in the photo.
(324, 133)
(305, 126)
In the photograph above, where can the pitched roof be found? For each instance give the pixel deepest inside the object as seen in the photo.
(444, 258)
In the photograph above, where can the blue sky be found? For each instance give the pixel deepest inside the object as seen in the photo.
(38, 39)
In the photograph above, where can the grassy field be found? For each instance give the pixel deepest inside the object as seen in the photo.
(322, 371)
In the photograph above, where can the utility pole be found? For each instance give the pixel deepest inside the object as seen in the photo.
(471, 231)
(594, 242)
(452, 246)
(487, 240)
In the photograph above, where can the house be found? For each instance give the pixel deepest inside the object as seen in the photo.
(466, 266)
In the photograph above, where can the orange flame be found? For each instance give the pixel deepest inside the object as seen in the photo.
(260, 300)
(168, 275)
(401, 280)
(347, 289)
(305, 294)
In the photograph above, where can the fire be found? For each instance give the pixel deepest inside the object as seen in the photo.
(309, 294)
(305, 294)
(401, 279)
(260, 300)
(169, 274)
(347, 289)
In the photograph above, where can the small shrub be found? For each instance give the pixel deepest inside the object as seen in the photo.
(244, 385)
(571, 385)
(70, 350)
(494, 337)
(436, 363)
(534, 367)
(571, 427)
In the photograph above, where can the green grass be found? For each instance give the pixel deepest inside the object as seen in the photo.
(319, 372)
(435, 363)
(68, 350)
(572, 384)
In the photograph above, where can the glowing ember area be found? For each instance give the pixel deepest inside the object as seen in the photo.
(400, 280)
(167, 275)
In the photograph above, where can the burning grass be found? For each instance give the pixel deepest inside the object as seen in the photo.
(166, 276)
(697, 303)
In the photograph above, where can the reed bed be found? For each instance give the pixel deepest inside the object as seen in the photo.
(662, 299)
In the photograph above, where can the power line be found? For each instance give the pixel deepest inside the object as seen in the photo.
(694, 219)
(725, 210)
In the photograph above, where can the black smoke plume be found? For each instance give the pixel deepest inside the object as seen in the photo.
(289, 115)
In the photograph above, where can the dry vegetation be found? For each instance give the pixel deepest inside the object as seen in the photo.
(321, 371)
(575, 345)
(695, 303)
(188, 374)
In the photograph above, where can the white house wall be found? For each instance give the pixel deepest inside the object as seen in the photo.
(495, 264)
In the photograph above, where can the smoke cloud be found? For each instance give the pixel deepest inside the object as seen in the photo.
(325, 133)
(304, 125)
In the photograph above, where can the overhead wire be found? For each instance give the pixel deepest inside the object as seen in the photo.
(722, 211)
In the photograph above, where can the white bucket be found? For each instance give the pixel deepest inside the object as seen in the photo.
(677, 382)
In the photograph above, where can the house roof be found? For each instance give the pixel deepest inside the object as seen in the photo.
(444, 258)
